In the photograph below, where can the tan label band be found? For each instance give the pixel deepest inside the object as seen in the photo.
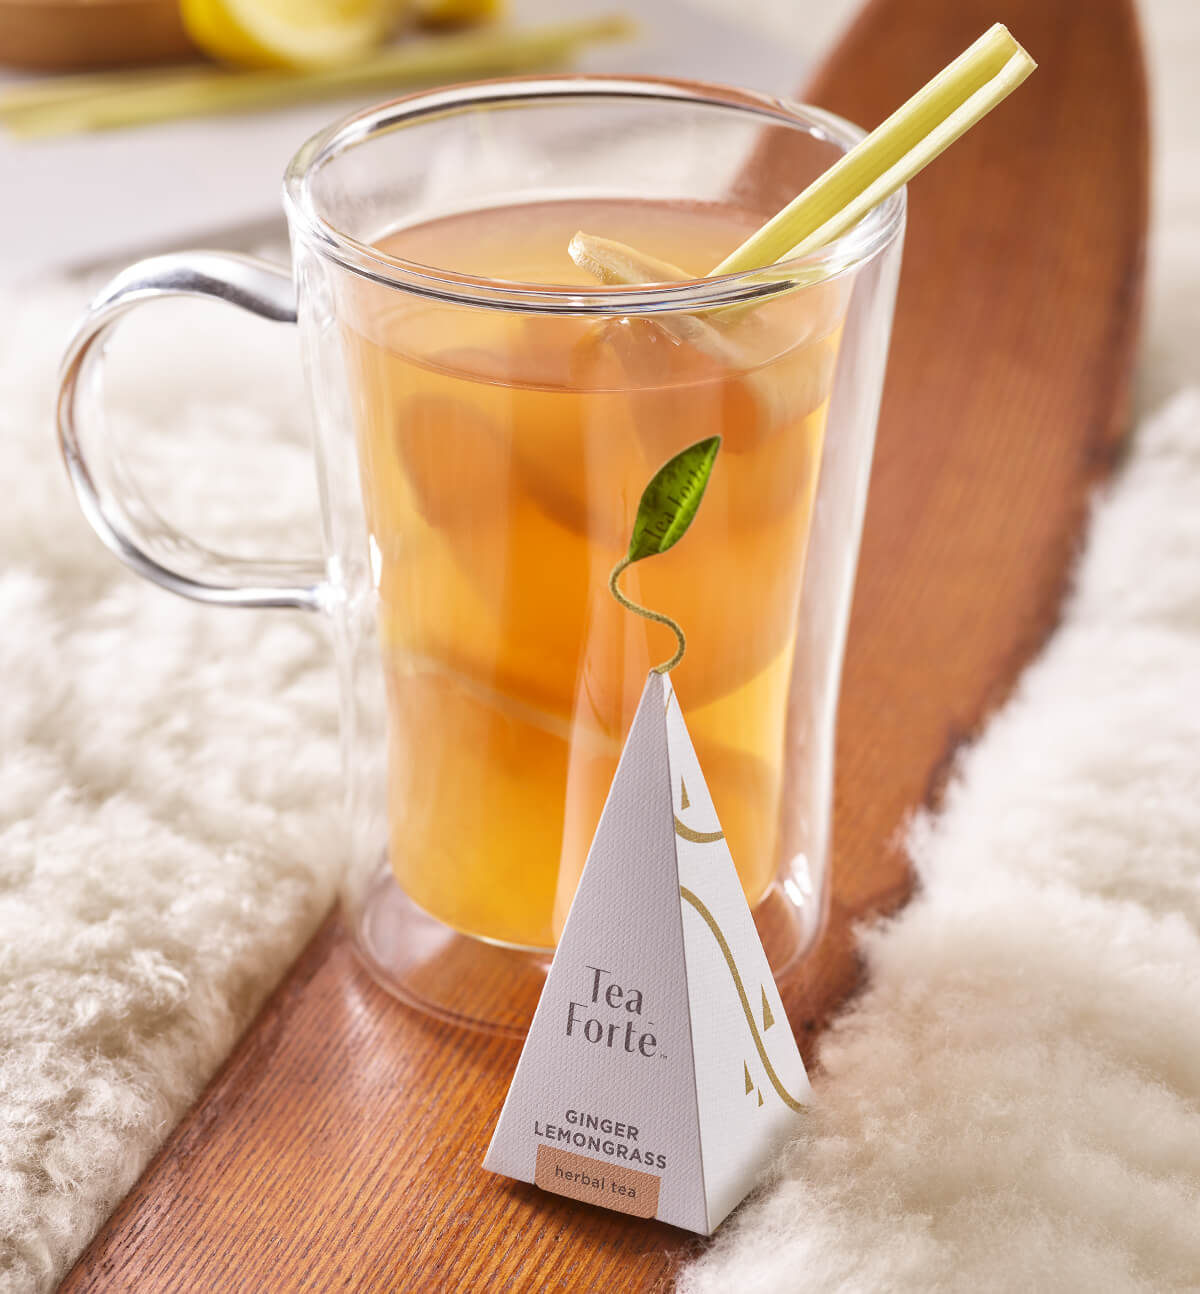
(612, 1186)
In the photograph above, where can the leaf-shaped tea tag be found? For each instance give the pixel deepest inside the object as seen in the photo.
(667, 508)
(668, 505)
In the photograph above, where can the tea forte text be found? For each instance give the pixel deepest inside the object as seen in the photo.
(578, 1134)
(623, 1033)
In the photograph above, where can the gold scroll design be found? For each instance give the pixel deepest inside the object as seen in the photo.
(697, 837)
(711, 922)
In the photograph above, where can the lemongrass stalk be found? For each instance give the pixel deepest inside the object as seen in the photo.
(47, 90)
(446, 58)
(939, 113)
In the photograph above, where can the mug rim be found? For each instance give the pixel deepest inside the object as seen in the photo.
(859, 244)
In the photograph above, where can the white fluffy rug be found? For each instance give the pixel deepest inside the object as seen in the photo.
(165, 831)
(1014, 1104)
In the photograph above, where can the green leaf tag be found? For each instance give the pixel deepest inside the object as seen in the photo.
(669, 503)
(667, 508)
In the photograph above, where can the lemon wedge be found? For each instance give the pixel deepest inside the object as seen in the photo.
(288, 33)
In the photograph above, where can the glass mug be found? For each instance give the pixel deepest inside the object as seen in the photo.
(485, 416)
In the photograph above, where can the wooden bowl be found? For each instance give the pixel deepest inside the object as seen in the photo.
(67, 35)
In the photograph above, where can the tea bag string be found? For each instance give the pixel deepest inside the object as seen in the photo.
(657, 616)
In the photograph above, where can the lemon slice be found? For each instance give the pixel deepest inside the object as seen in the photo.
(288, 33)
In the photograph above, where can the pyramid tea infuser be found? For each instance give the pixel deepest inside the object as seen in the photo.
(659, 1073)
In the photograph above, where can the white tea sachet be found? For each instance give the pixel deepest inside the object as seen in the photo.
(660, 1074)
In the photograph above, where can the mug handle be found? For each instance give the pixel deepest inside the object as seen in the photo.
(115, 507)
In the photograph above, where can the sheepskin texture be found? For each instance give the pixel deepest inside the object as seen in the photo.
(169, 773)
(1014, 1104)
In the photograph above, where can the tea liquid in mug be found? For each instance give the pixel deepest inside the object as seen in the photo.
(503, 456)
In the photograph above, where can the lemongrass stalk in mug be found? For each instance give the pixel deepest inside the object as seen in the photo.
(943, 110)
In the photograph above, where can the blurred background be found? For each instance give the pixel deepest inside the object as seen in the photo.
(129, 126)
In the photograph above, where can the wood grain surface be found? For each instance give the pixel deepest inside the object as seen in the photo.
(340, 1146)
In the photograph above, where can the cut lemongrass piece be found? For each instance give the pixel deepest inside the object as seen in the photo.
(616, 263)
(142, 99)
(939, 113)
(741, 344)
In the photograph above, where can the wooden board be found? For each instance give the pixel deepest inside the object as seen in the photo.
(73, 35)
(340, 1146)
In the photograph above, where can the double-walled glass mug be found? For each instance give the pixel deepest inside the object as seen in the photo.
(485, 417)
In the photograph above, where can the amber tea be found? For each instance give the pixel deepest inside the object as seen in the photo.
(503, 455)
